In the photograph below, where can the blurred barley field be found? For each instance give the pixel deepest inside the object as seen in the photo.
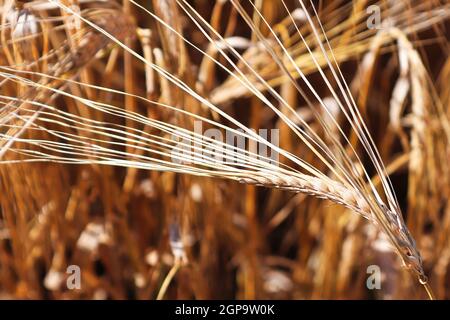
(100, 98)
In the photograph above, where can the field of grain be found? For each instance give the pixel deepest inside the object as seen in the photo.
(224, 149)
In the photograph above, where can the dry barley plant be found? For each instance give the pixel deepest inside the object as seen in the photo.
(103, 168)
